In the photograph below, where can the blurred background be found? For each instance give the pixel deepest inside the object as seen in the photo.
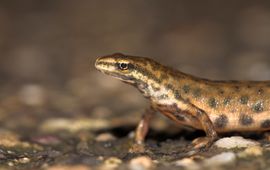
(48, 49)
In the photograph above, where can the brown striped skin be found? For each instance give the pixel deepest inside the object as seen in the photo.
(213, 106)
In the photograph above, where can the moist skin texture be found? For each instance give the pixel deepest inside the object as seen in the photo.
(213, 106)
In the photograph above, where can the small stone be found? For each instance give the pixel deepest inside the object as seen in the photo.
(251, 151)
(220, 159)
(74, 125)
(10, 139)
(131, 135)
(112, 163)
(235, 142)
(70, 167)
(10, 164)
(47, 140)
(141, 163)
(103, 137)
(101, 158)
(187, 163)
(24, 160)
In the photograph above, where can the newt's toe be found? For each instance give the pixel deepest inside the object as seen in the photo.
(202, 142)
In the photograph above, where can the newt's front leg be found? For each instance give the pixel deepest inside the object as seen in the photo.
(141, 130)
(208, 127)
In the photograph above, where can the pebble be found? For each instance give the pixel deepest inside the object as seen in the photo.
(220, 159)
(74, 125)
(112, 163)
(103, 137)
(252, 151)
(46, 140)
(187, 163)
(10, 164)
(235, 142)
(10, 139)
(68, 167)
(24, 160)
(141, 163)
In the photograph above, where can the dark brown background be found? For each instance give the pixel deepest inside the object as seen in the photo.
(48, 48)
(52, 41)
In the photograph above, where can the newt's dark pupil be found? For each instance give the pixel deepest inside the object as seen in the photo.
(123, 66)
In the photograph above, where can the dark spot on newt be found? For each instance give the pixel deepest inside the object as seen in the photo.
(155, 66)
(227, 101)
(148, 74)
(266, 123)
(221, 121)
(163, 96)
(212, 102)
(177, 95)
(258, 107)
(237, 88)
(196, 92)
(244, 99)
(169, 87)
(245, 119)
(163, 76)
(186, 88)
(221, 92)
(260, 91)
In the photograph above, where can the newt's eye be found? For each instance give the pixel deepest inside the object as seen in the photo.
(123, 66)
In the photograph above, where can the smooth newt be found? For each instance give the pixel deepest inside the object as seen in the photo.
(213, 106)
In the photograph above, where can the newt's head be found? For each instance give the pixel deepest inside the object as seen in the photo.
(139, 71)
(127, 68)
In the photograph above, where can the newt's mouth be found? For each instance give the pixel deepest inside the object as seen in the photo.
(108, 67)
(104, 64)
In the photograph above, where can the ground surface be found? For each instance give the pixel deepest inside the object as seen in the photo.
(33, 137)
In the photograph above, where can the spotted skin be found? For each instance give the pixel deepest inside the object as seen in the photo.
(221, 121)
(213, 106)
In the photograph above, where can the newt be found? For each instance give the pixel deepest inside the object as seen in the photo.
(209, 105)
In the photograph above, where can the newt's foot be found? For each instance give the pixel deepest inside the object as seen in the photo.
(203, 142)
(137, 148)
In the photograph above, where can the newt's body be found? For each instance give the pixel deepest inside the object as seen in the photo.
(213, 106)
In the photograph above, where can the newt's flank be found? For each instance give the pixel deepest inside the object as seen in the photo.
(213, 106)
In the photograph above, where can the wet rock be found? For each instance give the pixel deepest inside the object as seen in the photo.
(10, 164)
(47, 140)
(73, 125)
(24, 160)
(187, 163)
(103, 137)
(252, 151)
(70, 167)
(111, 163)
(10, 139)
(235, 142)
(221, 159)
(141, 163)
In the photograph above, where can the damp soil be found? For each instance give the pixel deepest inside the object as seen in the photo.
(42, 136)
